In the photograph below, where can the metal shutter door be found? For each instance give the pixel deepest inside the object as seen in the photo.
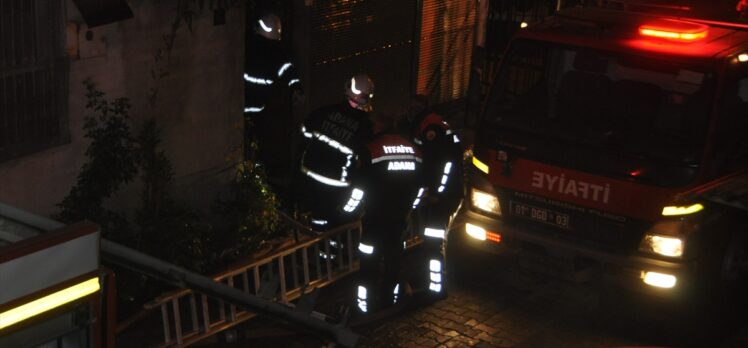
(373, 37)
(445, 48)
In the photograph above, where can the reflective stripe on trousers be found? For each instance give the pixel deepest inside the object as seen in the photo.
(435, 239)
(435, 275)
(362, 298)
(362, 293)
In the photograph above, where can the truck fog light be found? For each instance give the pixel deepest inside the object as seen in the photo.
(659, 280)
(476, 232)
(485, 201)
(674, 210)
(662, 245)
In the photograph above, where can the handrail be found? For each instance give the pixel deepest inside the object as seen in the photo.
(188, 315)
(254, 263)
(293, 221)
(228, 294)
(38, 222)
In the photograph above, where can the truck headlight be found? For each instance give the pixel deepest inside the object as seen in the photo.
(485, 201)
(662, 245)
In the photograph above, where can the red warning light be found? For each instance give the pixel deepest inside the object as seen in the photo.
(671, 29)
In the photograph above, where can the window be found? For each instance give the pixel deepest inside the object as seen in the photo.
(33, 76)
(606, 112)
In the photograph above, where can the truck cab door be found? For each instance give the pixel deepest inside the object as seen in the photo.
(731, 133)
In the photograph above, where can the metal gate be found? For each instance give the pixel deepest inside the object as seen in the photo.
(407, 47)
(445, 48)
(349, 37)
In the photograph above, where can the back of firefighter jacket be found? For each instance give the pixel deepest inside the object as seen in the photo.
(334, 135)
(390, 175)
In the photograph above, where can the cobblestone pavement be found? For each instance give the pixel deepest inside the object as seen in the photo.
(492, 303)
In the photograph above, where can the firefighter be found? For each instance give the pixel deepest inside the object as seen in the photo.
(388, 182)
(334, 136)
(272, 87)
(443, 175)
(742, 8)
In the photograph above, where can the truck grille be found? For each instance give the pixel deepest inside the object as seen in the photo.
(571, 223)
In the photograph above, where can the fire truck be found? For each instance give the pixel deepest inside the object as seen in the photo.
(53, 290)
(599, 121)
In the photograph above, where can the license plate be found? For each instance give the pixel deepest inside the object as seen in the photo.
(543, 215)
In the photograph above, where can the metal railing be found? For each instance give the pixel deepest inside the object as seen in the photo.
(188, 316)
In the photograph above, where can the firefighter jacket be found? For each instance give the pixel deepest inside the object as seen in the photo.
(269, 75)
(442, 158)
(271, 88)
(390, 177)
(334, 137)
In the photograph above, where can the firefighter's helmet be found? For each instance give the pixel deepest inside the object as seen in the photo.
(269, 26)
(360, 90)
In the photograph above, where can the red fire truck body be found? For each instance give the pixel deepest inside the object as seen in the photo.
(597, 120)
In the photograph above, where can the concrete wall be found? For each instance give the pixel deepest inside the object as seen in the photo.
(199, 103)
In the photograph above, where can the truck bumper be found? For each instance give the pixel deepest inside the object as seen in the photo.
(547, 253)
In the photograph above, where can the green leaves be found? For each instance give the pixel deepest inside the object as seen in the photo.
(162, 226)
(250, 211)
(111, 162)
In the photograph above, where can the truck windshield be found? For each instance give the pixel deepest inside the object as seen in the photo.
(627, 105)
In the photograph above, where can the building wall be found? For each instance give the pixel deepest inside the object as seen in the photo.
(199, 103)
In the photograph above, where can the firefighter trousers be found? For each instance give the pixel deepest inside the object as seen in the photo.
(434, 258)
(380, 254)
(434, 223)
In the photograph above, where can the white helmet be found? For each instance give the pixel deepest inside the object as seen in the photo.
(360, 90)
(269, 26)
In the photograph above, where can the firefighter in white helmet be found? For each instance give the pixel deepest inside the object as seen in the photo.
(334, 137)
(272, 87)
